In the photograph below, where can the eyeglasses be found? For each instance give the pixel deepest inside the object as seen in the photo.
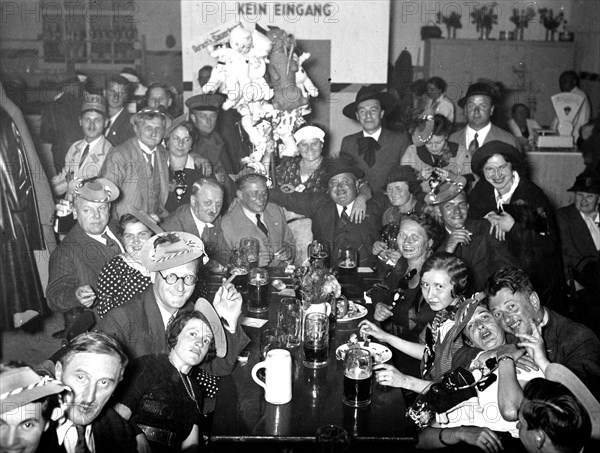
(171, 279)
(491, 171)
(142, 236)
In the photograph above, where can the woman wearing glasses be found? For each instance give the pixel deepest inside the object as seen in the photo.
(519, 213)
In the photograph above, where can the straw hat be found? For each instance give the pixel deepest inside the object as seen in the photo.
(173, 249)
(97, 190)
(22, 385)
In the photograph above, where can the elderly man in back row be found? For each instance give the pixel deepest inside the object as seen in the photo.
(330, 213)
(139, 166)
(254, 216)
(140, 325)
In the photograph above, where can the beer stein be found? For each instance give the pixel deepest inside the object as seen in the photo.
(278, 376)
(347, 261)
(258, 290)
(289, 320)
(250, 251)
(358, 369)
(315, 338)
(318, 254)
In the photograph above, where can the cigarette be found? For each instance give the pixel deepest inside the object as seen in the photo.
(231, 277)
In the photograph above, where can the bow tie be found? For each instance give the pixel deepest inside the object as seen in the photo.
(367, 147)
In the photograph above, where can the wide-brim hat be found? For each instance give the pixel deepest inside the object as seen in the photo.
(588, 182)
(309, 132)
(94, 103)
(20, 386)
(561, 374)
(175, 123)
(387, 101)
(424, 131)
(446, 191)
(212, 102)
(97, 190)
(160, 110)
(403, 173)
(173, 249)
(480, 157)
(479, 88)
(340, 166)
(203, 306)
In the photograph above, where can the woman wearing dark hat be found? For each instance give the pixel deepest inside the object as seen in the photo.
(183, 169)
(520, 213)
(161, 396)
(431, 151)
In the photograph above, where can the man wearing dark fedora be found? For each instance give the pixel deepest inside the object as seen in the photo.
(330, 213)
(579, 229)
(173, 260)
(374, 149)
(78, 260)
(478, 105)
(139, 166)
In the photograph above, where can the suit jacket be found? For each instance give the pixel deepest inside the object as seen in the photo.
(578, 248)
(77, 261)
(484, 255)
(120, 129)
(495, 133)
(112, 434)
(126, 166)
(139, 327)
(323, 212)
(181, 220)
(236, 225)
(393, 145)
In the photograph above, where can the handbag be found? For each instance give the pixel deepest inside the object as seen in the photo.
(430, 31)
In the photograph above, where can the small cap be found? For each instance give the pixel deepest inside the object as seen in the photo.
(423, 131)
(171, 249)
(481, 156)
(95, 103)
(97, 190)
(22, 385)
(561, 374)
(387, 101)
(447, 190)
(212, 102)
(214, 321)
(309, 132)
(479, 88)
(588, 181)
(160, 110)
(340, 166)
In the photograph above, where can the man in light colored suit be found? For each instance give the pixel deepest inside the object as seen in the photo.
(478, 105)
(139, 166)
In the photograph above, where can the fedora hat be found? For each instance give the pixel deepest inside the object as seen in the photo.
(481, 156)
(446, 191)
(160, 111)
(387, 101)
(588, 181)
(211, 102)
(203, 306)
(171, 249)
(479, 88)
(340, 166)
(97, 190)
(22, 385)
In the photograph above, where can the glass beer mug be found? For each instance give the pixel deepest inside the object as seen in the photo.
(358, 370)
(258, 290)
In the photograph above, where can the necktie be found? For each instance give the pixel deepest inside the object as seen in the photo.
(474, 145)
(111, 243)
(345, 216)
(107, 130)
(150, 162)
(261, 226)
(81, 445)
(85, 153)
(367, 148)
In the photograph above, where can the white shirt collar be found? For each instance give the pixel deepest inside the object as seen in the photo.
(200, 224)
(114, 117)
(92, 143)
(252, 215)
(189, 163)
(164, 314)
(592, 224)
(375, 134)
(505, 199)
(66, 434)
(340, 208)
(481, 134)
(146, 149)
(99, 238)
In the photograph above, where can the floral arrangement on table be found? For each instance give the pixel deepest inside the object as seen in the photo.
(521, 19)
(551, 22)
(484, 18)
(318, 285)
(452, 23)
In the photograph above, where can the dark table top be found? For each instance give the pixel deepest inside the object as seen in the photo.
(242, 414)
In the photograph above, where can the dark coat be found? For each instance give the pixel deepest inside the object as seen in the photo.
(393, 145)
(139, 327)
(77, 261)
(120, 129)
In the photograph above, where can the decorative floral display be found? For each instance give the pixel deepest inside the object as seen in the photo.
(552, 22)
(522, 18)
(485, 17)
(451, 21)
(317, 284)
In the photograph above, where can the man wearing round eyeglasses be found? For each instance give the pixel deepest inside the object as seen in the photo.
(173, 260)
(469, 239)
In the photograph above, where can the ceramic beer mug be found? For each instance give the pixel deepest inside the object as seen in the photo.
(278, 380)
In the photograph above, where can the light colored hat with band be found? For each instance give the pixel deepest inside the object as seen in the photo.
(168, 250)
(309, 132)
(446, 190)
(215, 324)
(159, 111)
(97, 190)
(22, 385)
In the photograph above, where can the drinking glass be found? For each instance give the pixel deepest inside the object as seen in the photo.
(333, 439)
(271, 338)
(347, 261)
(318, 254)
(358, 370)
(315, 347)
(288, 320)
(250, 251)
(258, 290)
